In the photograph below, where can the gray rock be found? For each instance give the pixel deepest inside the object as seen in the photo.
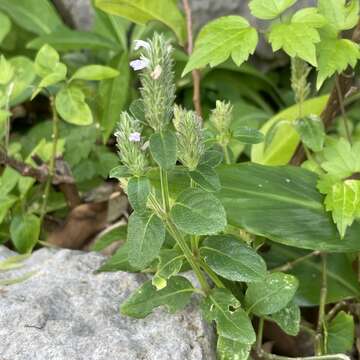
(65, 312)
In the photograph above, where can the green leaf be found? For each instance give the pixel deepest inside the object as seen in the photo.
(248, 135)
(25, 231)
(71, 105)
(286, 139)
(232, 322)
(6, 202)
(138, 193)
(95, 72)
(137, 110)
(212, 157)
(232, 259)
(12, 262)
(206, 178)
(8, 180)
(175, 296)
(197, 212)
(298, 37)
(227, 36)
(146, 234)
(271, 294)
(113, 95)
(163, 149)
(5, 26)
(36, 16)
(73, 40)
(232, 350)
(6, 71)
(334, 56)
(339, 15)
(340, 333)
(170, 263)
(118, 262)
(268, 10)
(107, 237)
(119, 172)
(344, 202)
(342, 281)
(312, 132)
(143, 11)
(46, 60)
(288, 319)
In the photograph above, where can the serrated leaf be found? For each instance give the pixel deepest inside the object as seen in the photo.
(206, 178)
(25, 231)
(163, 149)
(233, 260)
(288, 319)
(175, 296)
(312, 132)
(95, 72)
(340, 333)
(218, 40)
(146, 234)
(344, 202)
(197, 212)
(248, 135)
(170, 263)
(269, 9)
(232, 350)
(138, 192)
(299, 36)
(232, 321)
(334, 56)
(271, 294)
(71, 105)
(143, 11)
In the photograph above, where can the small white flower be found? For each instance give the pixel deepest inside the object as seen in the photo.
(140, 64)
(141, 44)
(135, 137)
(157, 72)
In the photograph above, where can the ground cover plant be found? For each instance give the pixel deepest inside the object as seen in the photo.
(249, 181)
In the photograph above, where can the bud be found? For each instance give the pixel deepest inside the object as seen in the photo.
(190, 137)
(300, 71)
(157, 80)
(221, 118)
(130, 144)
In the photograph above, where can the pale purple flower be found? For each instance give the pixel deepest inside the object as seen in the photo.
(135, 137)
(157, 72)
(141, 44)
(140, 64)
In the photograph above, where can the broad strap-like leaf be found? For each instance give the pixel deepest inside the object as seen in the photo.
(146, 234)
(232, 259)
(269, 9)
(271, 294)
(232, 321)
(218, 40)
(143, 11)
(175, 296)
(197, 212)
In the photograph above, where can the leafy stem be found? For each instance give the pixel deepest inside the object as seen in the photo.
(55, 136)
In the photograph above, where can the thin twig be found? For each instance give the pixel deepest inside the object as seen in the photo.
(331, 314)
(291, 264)
(190, 46)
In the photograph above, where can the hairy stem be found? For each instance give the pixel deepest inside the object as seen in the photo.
(165, 190)
(259, 337)
(190, 45)
(54, 137)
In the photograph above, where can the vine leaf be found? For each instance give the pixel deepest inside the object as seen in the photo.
(288, 319)
(218, 40)
(268, 10)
